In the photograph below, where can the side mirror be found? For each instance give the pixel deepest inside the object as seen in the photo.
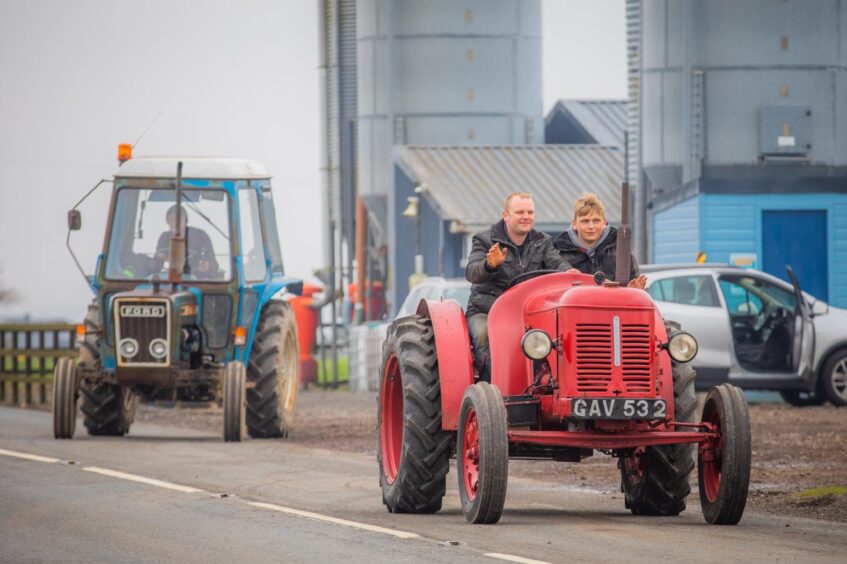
(819, 308)
(74, 220)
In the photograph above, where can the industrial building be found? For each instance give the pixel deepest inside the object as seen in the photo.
(738, 112)
(733, 137)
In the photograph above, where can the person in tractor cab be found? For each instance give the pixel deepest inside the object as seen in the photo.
(200, 258)
(590, 244)
(507, 249)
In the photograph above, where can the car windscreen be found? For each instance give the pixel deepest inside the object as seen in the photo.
(735, 290)
(144, 220)
(461, 295)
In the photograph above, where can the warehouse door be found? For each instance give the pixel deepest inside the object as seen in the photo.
(797, 238)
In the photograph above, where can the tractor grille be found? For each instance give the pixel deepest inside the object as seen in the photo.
(635, 357)
(593, 356)
(144, 321)
(595, 360)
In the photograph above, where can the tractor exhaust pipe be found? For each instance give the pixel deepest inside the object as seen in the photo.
(176, 255)
(622, 261)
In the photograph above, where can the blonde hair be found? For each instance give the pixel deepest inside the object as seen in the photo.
(586, 204)
(513, 195)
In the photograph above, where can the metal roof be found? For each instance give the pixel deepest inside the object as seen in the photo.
(211, 168)
(468, 184)
(604, 120)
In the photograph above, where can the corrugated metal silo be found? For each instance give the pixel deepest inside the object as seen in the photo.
(443, 72)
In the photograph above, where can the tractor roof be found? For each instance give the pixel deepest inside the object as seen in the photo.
(210, 168)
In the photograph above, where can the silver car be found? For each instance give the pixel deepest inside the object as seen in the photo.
(436, 288)
(756, 331)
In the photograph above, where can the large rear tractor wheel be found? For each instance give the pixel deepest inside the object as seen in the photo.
(724, 464)
(275, 368)
(482, 454)
(64, 399)
(107, 409)
(233, 392)
(413, 452)
(655, 479)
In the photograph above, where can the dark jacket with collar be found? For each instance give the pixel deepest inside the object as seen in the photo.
(602, 257)
(487, 285)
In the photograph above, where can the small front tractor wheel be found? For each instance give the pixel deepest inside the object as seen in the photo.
(233, 392)
(274, 366)
(724, 463)
(482, 454)
(64, 398)
(655, 479)
(107, 409)
(413, 452)
(833, 383)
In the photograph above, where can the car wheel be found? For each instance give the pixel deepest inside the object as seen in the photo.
(834, 378)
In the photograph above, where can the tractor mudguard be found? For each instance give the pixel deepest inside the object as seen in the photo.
(455, 362)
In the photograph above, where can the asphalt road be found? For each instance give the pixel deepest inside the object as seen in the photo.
(175, 495)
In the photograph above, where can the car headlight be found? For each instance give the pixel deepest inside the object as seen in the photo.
(158, 348)
(128, 348)
(536, 344)
(682, 346)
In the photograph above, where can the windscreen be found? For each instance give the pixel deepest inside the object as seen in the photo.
(139, 245)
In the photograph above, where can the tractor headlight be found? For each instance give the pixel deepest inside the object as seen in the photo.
(536, 344)
(158, 348)
(128, 348)
(682, 347)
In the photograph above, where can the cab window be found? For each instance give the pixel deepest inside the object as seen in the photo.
(696, 290)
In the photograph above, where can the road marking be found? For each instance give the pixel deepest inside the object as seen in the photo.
(511, 558)
(141, 479)
(26, 456)
(328, 519)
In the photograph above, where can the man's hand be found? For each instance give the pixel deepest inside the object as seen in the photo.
(496, 256)
(638, 282)
(573, 271)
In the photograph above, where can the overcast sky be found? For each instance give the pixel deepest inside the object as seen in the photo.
(226, 78)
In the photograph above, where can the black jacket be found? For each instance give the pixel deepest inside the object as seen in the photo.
(602, 257)
(487, 285)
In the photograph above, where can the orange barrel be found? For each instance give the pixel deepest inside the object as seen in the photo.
(307, 325)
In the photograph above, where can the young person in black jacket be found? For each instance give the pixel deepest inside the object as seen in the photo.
(509, 248)
(590, 244)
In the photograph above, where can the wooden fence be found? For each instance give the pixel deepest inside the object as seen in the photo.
(28, 352)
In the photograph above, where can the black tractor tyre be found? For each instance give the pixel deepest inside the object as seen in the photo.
(654, 479)
(833, 382)
(413, 453)
(107, 409)
(482, 454)
(724, 471)
(233, 401)
(64, 398)
(803, 398)
(274, 367)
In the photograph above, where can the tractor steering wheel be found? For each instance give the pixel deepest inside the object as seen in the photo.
(529, 274)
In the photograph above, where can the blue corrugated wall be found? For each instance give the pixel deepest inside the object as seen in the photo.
(676, 233)
(721, 225)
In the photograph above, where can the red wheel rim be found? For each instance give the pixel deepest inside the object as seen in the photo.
(712, 456)
(470, 455)
(391, 423)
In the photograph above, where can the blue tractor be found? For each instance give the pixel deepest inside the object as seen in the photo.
(187, 302)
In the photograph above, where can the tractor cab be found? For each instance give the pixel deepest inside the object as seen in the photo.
(185, 293)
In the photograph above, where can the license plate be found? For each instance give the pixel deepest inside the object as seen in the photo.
(618, 408)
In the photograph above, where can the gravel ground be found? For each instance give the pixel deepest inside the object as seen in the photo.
(799, 454)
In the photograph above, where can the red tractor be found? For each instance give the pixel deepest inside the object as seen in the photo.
(578, 364)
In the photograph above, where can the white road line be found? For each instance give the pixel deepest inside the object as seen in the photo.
(26, 456)
(328, 519)
(141, 479)
(511, 558)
